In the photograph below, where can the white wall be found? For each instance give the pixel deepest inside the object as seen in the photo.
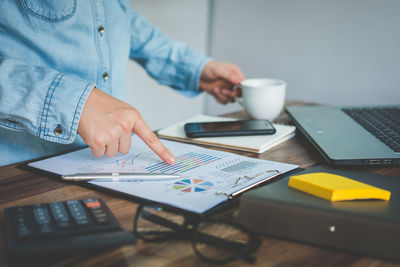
(183, 20)
(329, 51)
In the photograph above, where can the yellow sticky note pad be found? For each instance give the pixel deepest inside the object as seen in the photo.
(335, 187)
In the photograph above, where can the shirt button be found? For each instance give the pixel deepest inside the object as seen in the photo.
(105, 76)
(58, 130)
(101, 30)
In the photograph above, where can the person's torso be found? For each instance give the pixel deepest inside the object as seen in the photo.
(86, 38)
(89, 39)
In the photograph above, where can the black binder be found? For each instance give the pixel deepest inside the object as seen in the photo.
(369, 227)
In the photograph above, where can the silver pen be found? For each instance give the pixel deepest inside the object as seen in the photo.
(115, 176)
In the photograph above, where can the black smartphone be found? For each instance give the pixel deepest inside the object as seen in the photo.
(229, 128)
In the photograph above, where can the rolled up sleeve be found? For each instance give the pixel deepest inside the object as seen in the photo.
(40, 100)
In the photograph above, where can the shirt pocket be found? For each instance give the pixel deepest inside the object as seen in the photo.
(50, 10)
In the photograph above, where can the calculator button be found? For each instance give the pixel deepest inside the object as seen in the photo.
(43, 219)
(46, 229)
(21, 222)
(77, 212)
(60, 215)
(94, 206)
(101, 218)
(23, 231)
(41, 214)
(82, 222)
(92, 203)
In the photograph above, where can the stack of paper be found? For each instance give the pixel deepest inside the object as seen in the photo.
(255, 143)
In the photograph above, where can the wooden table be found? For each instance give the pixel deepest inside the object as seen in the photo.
(21, 187)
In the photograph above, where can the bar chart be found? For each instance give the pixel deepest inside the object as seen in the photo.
(183, 163)
(241, 167)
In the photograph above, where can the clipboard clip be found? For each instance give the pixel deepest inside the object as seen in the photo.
(236, 183)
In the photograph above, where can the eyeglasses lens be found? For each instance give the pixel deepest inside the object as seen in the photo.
(220, 242)
(156, 224)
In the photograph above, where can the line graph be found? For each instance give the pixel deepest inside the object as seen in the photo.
(124, 162)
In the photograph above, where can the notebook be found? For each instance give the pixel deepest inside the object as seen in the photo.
(351, 136)
(255, 144)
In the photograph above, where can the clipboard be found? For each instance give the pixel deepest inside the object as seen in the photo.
(205, 172)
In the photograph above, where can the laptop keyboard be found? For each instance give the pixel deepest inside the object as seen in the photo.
(383, 123)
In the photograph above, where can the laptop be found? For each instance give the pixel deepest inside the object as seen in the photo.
(351, 135)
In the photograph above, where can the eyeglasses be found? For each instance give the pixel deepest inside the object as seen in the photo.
(214, 241)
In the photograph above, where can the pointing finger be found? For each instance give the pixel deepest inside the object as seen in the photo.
(146, 134)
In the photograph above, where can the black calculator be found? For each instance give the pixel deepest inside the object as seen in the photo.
(69, 227)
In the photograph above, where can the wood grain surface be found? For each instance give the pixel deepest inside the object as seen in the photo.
(22, 187)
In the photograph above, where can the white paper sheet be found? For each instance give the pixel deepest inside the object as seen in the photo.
(204, 172)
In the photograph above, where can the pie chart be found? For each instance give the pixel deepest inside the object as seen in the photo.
(192, 185)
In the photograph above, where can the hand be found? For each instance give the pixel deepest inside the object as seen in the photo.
(106, 125)
(218, 79)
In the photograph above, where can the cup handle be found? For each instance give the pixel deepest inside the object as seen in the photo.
(238, 99)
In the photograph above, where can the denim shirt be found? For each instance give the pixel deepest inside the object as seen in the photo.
(52, 54)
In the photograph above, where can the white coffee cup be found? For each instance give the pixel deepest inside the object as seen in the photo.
(263, 98)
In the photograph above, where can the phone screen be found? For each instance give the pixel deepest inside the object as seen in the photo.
(229, 128)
